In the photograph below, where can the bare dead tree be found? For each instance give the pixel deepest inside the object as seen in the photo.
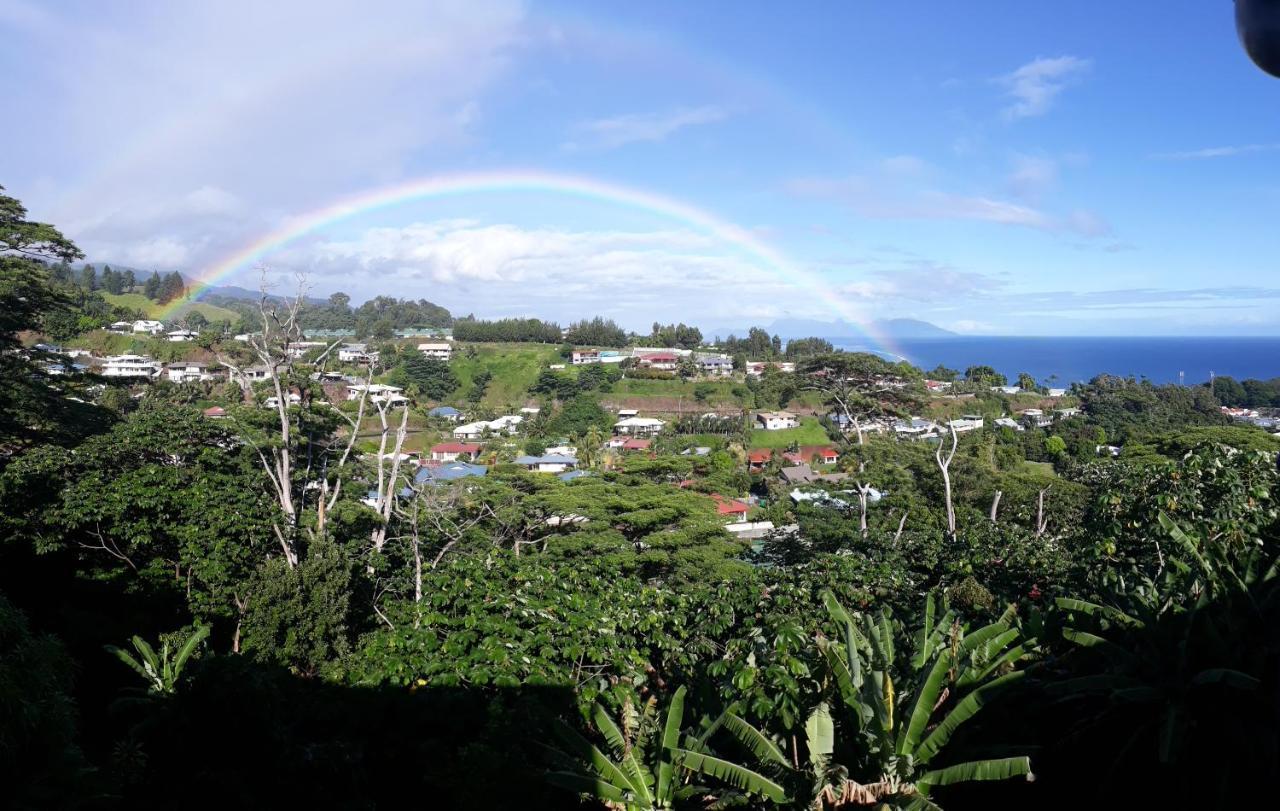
(1042, 521)
(944, 464)
(995, 505)
(902, 523)
(388, 480)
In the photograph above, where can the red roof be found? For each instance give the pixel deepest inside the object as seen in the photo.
(726, 506)
(659, 356)
(760, 455)
(455, 447)
(637, 444)
(216, 411)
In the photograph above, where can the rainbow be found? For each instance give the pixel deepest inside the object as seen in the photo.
(540, 182)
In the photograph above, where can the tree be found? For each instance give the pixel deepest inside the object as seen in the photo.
(339, 301)
(942, 373)
(1027, 383)
(196, 320)
(127, 281)
(984, 376)
(596, 332)
(432, 377)
(1055, 445)
(862, 386)
(151, 287)
(88, 278)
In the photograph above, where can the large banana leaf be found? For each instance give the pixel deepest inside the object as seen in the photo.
(1096, 610)
(820, 736)
(637, 777)
(996, 769)
(759, 744)
(926, 700)
(1087, 640)
(585, 784)
(582, 750)
(128, 659)
(670, 741)
(965, 709)
(187, 649)
(737, 776)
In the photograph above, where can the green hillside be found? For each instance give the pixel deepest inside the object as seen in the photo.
(137, 301)
(515, 367)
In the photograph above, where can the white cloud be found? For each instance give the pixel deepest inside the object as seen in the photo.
(610, 133)
(1034, 86)
(1217, 152)
(633, 276)
(1032, 177)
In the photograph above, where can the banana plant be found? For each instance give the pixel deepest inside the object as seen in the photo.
(164, 671)
(647, 769)
(955, 674)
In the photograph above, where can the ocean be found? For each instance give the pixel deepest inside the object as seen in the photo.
(1069, 360)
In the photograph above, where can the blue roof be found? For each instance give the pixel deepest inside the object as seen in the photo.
(573, 474)
(443, 411)
(445, 473)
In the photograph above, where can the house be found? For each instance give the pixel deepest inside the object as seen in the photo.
(274, 402)
(439, 351)
(570, 475)
(561, 449)
(758, 458)
(299, 348)
(937, 386)
(715, 366)
(215, 413)
(1007, 389)
(627, 413)
(807, 453)
(446, 413)
(121, 327)
(967, 422)
(638, 426)
(1066, 413)
(356, 353)
(751, 530)
(130, 366)
(509, 423)
(547, 463)
(659, 361)
(701, 450)
(556, 367)
(530, 411)
(378, 393)
(582, 357)
(1108, 450)
(149, 327)
(254, 374)
(1057, 392)
(756, 368)
(190, 372)
(637, 444)
(732, 509)
(1035, 418)
(776, 420)
(1010, 422)
(443, 474)
(915, 428)
(471, 431)
(181, 335)
(803, 474)
(453, 451)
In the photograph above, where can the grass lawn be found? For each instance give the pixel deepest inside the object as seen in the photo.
(137, 301)
(810, 432)
(1039, 468)
(515, 367)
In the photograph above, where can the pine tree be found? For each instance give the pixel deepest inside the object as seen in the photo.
(88, 278)
(151, 289)
(127, 282)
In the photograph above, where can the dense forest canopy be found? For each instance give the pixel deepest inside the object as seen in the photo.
(269, 592)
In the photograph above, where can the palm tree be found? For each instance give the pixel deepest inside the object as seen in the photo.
(163, 672)
(646, 767)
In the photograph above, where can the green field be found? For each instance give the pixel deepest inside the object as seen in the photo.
(137, 301)
(810, 432)
(515, 367)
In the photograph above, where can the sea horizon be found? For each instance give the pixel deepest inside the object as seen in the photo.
(1062, 360)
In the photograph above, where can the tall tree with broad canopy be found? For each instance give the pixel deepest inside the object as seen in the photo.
(861, 386)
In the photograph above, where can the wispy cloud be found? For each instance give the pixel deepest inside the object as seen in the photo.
(1034, 86)
(1217, 152)
(610, 133)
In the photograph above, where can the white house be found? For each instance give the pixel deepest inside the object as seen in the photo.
(152, 327)
(253, 374)
(453, 451)
(1010, 422)
(547, 463)
(756, 368)
(915, 428)
(180, 335)
(378, 392)
(356, 353)
(716, 365)
(638, 426)
(121, 326)
(273, 401)
(509, 423)
(1007, 389)
(439, 351)
(299, 348)
(190, 372)
(968, 422)
(130, 366)
(471, 431)
(1036, 418)
(776, 420)
(583, 357)
(1057, 392)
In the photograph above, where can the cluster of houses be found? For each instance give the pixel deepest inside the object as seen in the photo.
(1253, 417)
(709, 364)
(944, 386)
(919, 428)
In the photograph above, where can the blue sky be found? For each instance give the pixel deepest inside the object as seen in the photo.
(993, 167)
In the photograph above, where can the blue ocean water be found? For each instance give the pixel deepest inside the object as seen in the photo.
(1069, 360)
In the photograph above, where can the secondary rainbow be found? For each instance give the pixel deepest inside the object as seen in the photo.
(546, 183)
